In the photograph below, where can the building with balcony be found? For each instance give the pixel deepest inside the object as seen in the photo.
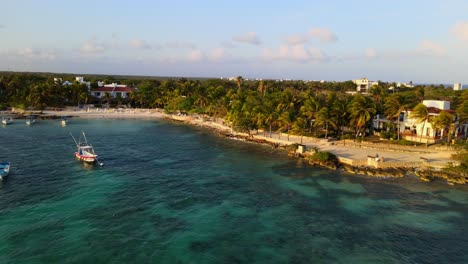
(412, 130)
(114, 90)
(457, 87)
(363, 85)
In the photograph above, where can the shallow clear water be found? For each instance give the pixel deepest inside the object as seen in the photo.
(170, 193)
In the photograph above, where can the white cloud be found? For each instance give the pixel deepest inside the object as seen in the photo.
(196, 56)
(32, 53)
(295, 53)
(180, 45)
(140, 44)
(324, 35)
(297, 39)
(431, 49)
(460, 30)
(317, 55)
(92, 47)
(29, 54)
(371, 53)
(228, 44)
(218, 54)
(249, 38)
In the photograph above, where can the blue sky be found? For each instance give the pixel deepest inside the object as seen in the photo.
(419, 41)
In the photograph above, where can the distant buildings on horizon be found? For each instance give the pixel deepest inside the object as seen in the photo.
(457, 87)
(363, 85)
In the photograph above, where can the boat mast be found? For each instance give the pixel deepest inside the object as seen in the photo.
(86, 141)
(74, 139)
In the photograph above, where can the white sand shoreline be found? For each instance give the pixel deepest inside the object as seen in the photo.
(348, 151)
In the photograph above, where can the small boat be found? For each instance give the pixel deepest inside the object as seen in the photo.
(85, 151)
(64, 121)
(7, 120)
(31, 120)
(4, 170)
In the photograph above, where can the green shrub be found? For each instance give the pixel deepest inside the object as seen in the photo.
(323, 156)
(388, 135)
(292, 147)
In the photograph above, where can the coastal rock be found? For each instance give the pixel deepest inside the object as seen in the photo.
(430, 175)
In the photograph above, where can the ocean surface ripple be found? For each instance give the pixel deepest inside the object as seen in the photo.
(171, 193)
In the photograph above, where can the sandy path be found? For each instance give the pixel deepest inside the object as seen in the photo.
(397, 154)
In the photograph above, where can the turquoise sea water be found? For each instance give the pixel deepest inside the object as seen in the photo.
(170, 193)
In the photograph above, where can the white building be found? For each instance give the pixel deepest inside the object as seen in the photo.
(363, 85)
(457, 87)
(114, 90)
(403, 85)
(423, 132)
(115, 85)
(78, 79)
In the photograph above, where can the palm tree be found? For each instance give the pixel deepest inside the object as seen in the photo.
(270, 113)
(340, 113)
(393, 108)
(462, 112)
(362, 110)
(262, 88)
(107, 98)
(239, 81)
(442, 121)
(324, 117)
(421, 114)
(285, 120)
(309, 108)
(299, 126)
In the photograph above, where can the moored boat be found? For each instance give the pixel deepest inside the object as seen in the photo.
(64, 121)
(7, 120)
(4, 170)
(85, 151)
(31, 120)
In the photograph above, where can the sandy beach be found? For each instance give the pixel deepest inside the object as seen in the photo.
(348, 151)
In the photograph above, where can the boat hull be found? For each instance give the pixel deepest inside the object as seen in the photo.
(4, 170)
(88, 159)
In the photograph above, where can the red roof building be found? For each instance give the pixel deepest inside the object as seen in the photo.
(113, 90)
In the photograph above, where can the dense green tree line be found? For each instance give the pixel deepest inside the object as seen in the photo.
(297, 107)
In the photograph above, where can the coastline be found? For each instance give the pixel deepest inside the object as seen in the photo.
(355, 158)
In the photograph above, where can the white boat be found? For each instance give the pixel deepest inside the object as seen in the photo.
(4, 170)
(85, 151)
(64, 121)
(7, 120)
(31, 120)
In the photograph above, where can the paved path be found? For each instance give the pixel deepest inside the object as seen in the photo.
(390, 153)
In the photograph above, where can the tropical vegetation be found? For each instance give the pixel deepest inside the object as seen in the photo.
(311, 108)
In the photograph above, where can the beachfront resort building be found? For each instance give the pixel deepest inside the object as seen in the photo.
(405, 85)
(363, 85)
(78, 79)
(412, 130)
(114, 90)
(457, 87)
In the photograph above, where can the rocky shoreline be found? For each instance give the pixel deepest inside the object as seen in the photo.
(424, 174)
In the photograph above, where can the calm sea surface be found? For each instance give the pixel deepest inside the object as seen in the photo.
(170, 193)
